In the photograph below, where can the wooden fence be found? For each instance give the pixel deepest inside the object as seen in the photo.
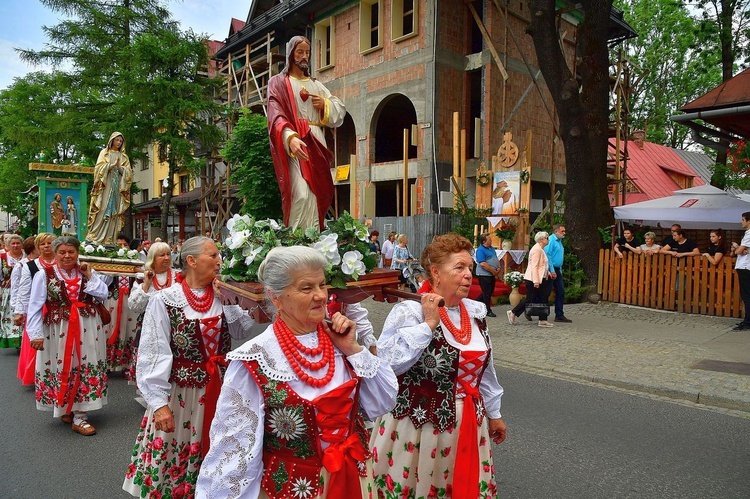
(689, 284)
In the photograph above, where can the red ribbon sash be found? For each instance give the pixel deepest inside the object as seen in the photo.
(116, 332)
(72, 342)
(466, 472)
(213, 389)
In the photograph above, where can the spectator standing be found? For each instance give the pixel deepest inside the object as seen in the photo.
(627, 242)
(555, 255)
(649, 247)
(487, 270)
(682, 246)
(669, 240)
(401, 257)
(742, 267)
(387, 250)
(374, 243)
(717, 248)
(536, 279)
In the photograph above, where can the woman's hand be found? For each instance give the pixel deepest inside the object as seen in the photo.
(343, 333)
(148, 276)
(86, 270)
(37, 344)
(430, 309)
(498, 430)
(164, 419)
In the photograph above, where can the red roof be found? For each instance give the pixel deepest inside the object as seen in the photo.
(649, 169)
(734, 92)
(236, 26)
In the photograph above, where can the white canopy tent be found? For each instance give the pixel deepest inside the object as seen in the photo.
(704, 207)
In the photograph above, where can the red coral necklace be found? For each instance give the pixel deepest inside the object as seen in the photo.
(198, 303)
(168, 283)
(296, 353)
(462, 335)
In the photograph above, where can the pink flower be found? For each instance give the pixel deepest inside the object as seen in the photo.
(147, 481)
(432, 454)
(182, 403)
(131, 471)
(375, 454)
(155, 494)
(381, 430)
(445, 452)
(405, 491)
(195, 448)
(406, 473)
(389, 483)
(393, 436)
(410, 447)
(182, 490)
(433, 493)
(158, 443)
(84, 390)
(482, 441)
(144, 422)
(486, 468)
(93, 381)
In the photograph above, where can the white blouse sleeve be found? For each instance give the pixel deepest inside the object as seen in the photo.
(233, 466)
(154, 362)
(24, 288)
(239, 321)
(365, 331)
(96, 287)
(405, 335)
(37, 298)
(15, 280)
(379, 384)
(138, 299)
(492, 391)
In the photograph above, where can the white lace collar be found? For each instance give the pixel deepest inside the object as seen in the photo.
(265, 349)
(174, 296)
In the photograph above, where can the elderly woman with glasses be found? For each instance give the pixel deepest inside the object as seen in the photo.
(436, 441)
(64, 326)
(185, 337)
(536, 279)
(288, 421)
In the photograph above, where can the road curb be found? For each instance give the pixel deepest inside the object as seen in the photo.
(686, 395)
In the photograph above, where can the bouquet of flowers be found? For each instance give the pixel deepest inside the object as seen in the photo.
(101, 251)
(513, 278)
(344, 243)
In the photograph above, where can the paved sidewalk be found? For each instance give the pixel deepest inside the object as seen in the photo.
(628, 347)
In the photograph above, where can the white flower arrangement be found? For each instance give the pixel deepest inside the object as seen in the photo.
(344, 243)
(88, 249)
(513, 278)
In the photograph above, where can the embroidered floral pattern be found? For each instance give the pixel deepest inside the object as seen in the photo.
(287, 422)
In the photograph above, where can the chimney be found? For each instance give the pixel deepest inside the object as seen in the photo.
(639, 136)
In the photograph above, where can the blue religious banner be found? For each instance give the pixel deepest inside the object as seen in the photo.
(63, 202)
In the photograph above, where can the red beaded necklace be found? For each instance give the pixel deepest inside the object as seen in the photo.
(198, 303)
(296, 353)
(46, 264)
(168, 283)
(463, 335)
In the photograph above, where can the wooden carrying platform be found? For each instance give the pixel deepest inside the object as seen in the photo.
(112, 266)
(380, 284)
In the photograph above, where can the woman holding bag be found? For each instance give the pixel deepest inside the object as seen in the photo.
(536, 281)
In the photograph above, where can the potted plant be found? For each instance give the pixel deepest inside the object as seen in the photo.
(514, 279)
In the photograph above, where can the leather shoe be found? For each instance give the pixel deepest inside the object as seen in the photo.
(85, 428)
(67, 418)
(528, 317)
(562, 319)
(491, 314)
(741, 327)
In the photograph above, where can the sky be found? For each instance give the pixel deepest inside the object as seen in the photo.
(21, 24)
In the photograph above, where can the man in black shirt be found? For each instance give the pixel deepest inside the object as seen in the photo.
(682, 246)
(669, 240)
(626, 243)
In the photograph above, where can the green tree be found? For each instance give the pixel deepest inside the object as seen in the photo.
(670, 67)
(583, 110)
(252, 167)
(173, 105)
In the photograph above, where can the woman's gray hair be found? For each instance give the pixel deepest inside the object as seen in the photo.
(14, 236)
(153, 251)
(540, 235)
(650, 235)
(275, 272)
(192, 247)
(66, 241)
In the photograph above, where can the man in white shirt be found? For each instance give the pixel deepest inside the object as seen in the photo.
(742, 267)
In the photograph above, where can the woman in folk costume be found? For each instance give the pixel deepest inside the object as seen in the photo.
(436, 442)
(10, 333)
(186, 333)
(65, 328)
(288, 420)
(110, 194)
(19, 289)
(158, 275)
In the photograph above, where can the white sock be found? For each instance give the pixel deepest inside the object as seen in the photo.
(79, 417)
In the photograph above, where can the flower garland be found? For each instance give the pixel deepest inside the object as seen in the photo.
(524, 176)
(484, 178)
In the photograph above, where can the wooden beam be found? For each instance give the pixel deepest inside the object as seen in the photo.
(488, 40)
(406, 173)
(455, 158)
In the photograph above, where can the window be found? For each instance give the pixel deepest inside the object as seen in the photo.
(184, 184)
(323, 49)
(369, 25)
(144, 195)
(403, 18)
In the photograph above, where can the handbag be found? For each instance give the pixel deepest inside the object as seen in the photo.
(104, 313)
(537, 309)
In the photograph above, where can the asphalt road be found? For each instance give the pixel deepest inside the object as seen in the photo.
(566, 440)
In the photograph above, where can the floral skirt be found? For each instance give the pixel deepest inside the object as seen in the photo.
(120, 353)
(167, 464)
(10, 334)
(91, 387)
(305, 489)
(414, 462)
